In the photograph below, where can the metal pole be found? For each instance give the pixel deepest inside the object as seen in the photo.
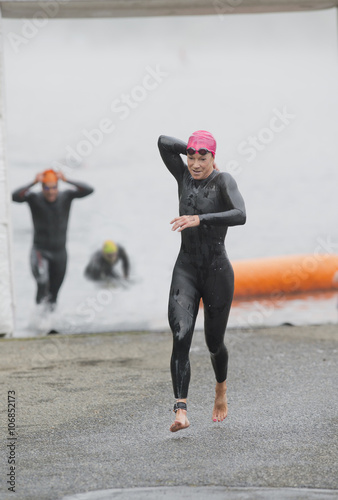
(6, 269)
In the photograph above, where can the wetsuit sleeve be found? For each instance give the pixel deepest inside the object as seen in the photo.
(20, 195)
(170, 151)
(235, 215)
(125, 261)
(81, 190)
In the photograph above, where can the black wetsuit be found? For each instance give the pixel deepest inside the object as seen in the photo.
(99, 268)
(202, 270)
(50, 221)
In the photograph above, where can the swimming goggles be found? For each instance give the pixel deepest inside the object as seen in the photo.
(201, 151)
(49, 188)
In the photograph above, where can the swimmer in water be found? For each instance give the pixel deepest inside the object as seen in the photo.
(50, 213)
(102, 262)
(209, 202)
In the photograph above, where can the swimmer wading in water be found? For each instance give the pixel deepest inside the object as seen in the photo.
(102, 262)
(50, 213)
(209, 202)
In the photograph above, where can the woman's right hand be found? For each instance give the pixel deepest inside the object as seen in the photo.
(181, 223)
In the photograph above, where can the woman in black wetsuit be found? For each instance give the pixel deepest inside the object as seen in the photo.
(209, 202)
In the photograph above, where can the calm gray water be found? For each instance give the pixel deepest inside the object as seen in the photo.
(101, 92)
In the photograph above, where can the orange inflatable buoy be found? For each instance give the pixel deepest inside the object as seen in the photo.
(287, 274)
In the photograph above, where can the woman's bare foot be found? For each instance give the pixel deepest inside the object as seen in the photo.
(181, 421)
(220, 410)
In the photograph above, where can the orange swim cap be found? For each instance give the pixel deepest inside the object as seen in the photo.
(49, 176)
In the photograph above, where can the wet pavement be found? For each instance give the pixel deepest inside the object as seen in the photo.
(92, 417)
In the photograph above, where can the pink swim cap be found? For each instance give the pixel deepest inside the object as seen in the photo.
(202, 139)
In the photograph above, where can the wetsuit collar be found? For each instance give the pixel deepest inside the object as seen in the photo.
(199, 182)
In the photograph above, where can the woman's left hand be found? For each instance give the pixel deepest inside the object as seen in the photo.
(185, 221)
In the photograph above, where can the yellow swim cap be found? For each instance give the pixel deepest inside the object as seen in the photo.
(109, 247)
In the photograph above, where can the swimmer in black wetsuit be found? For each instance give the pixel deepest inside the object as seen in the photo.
(50, 212)
(209, 202)
(102, 262)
